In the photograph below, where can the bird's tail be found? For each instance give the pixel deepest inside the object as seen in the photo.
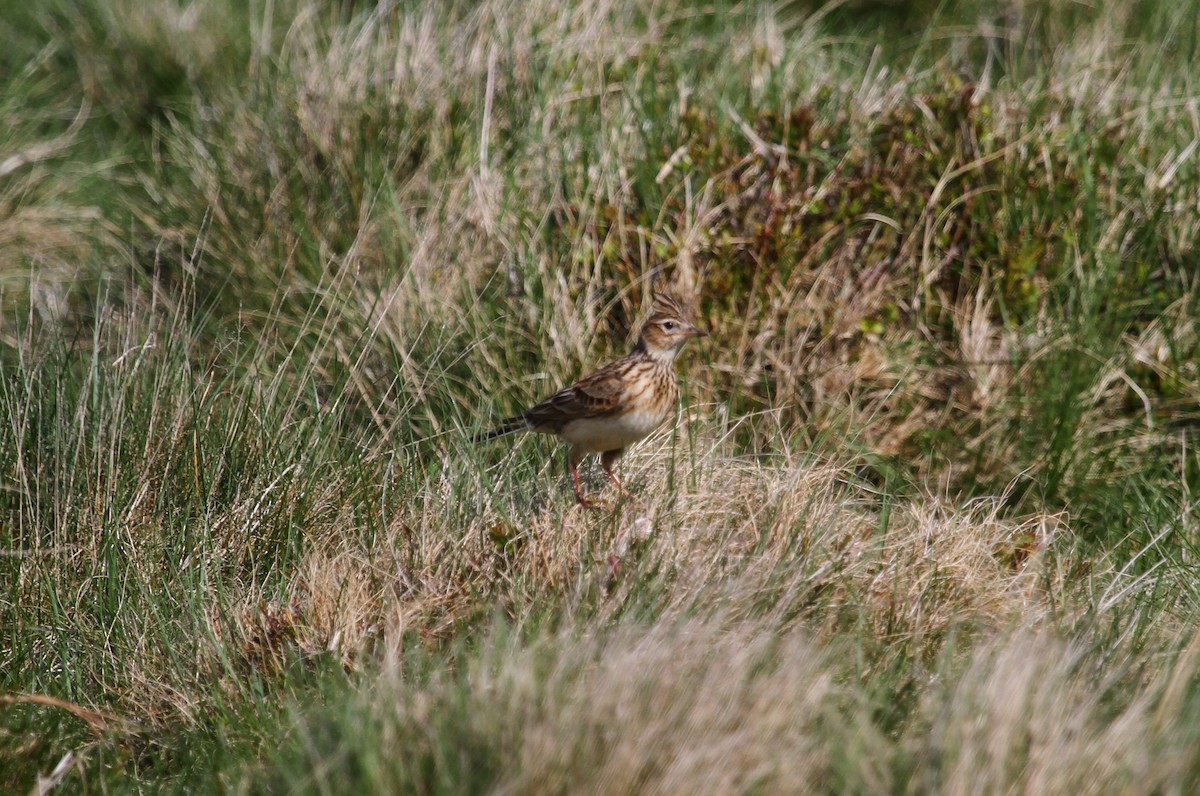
(510, 426)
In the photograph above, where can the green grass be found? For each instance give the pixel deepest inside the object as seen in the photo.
(926, 520)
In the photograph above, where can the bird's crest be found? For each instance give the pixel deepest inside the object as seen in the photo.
(666, 305)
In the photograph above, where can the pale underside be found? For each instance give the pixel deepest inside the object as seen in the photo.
(599, 434)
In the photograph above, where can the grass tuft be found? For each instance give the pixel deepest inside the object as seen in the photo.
(924, 522)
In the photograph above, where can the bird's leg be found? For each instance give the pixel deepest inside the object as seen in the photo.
(607, 460)
(579, 496)
(573, 459)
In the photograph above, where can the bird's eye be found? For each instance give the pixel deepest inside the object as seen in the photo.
(668, 325)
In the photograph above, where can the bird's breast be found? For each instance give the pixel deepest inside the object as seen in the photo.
(647, 398)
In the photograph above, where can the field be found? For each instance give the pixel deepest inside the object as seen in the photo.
(925, 522)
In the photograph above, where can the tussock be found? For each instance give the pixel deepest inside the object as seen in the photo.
(925, 523)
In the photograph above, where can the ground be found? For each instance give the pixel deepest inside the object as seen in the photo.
(925, 520)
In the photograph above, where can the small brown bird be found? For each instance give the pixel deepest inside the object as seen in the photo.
(621, 402)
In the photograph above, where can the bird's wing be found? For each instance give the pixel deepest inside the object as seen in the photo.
(595, 395)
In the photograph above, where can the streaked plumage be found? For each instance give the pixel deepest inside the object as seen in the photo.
(621, 402)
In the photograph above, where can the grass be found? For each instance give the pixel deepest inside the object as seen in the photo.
(925, 522)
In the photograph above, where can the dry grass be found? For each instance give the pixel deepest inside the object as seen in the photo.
(925, 523)
(811, 549)
(755, 704)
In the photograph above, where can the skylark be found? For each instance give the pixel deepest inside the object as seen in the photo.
(621, 402)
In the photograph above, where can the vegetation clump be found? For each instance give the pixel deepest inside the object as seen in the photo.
(925, 522)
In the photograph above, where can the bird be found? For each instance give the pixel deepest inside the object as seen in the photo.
(621, 402)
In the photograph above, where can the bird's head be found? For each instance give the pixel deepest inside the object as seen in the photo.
(669, 326)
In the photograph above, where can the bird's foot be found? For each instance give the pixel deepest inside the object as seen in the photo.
(617, 483)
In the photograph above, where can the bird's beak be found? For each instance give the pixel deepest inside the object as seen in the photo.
(698, 332)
